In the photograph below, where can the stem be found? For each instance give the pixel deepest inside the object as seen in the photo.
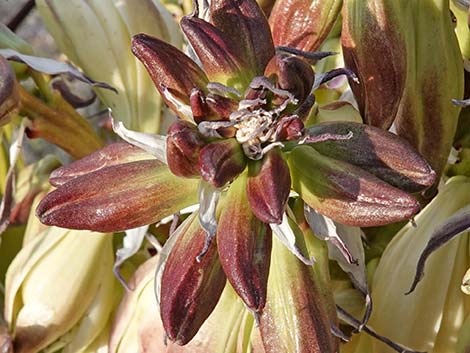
(59, 124)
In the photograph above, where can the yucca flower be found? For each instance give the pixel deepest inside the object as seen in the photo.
(240, 148)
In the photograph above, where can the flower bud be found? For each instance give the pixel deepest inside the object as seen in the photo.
(221, 161)
(381, 153)
(9, 97)
(303, 24)
(295, 318)
(107, 27)
(346, 193)
(60, 285)
(268, 187)
(395, 314)
(183, 145)
(190, 289)
(244, 245)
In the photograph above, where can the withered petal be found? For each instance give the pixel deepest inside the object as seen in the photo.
(118, 197)
(169, 68)
(247, 29)
(346, 193)
(221, 63)
(114, 154)
(380, 152)
(190, 289)
(268, 187)
(244, 245)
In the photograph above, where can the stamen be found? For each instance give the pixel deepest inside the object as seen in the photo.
(218, 88)
(312, 55)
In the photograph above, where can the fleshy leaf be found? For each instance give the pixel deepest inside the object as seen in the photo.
(244, 245)
(221, 63)
(51, 67)
(346, 193)
(114, 154)
(303, 24)
(380, 152)
(118, 197)
(268, 187)
(171, 70)
(190, 289)
(245, 26)
(453, 226)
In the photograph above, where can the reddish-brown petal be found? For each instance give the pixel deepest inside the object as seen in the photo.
(268, 187)
(346, 193)
(221, 161)
(116, 153)
(303, 24)
(244, 245)
(169, 69)
(118, 197)
(381, 153)
(247, 29)
(182, 149)
(221, 63)
(190, 289)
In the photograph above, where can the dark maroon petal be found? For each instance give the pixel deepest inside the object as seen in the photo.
(118, 197)
(346, 193)
(303, 24)
(377, 151)
(182, 149)
(247, 29)
(221, 63)
(268, 187)
(169, 68)
(221, 106)
(244, 245)
(292, 74)
(190, 289)
(221, 161)
(116, 153)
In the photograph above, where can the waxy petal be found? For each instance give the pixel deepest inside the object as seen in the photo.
(182, 149)
(381, 153)
(293, 74)
(346, 193)
(221, 63)
(295, 318)
(114, 154)
(221, 161)
(268, 187)
(118, 197)
(171, 70)
(244, 245)
(9, 96)
(247, 29)
(303, 24)
(190, 289)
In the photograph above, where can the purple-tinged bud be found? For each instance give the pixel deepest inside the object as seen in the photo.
(198, 105)
(114, 154)
(190, 289)
(106, 200)
(268, 187)
(293, 74)
(244, 244)
(247, 30)
(9, 96)
(169, 68)
(292, 128)
(303, 24)
(221, 161)
(346, 193)
(380, 152)
(183, 145)
(221, 106)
